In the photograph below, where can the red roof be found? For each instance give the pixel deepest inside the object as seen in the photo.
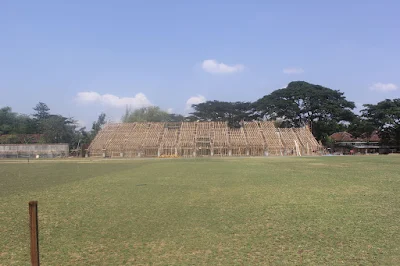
(342, 136)
(347, 137)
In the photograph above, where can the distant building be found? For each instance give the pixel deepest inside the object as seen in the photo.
(346, 143)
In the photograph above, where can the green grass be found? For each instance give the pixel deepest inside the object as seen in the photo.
(233, 211)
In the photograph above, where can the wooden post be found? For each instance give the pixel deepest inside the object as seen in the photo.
(34, 228)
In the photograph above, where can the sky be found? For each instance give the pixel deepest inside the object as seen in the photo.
(82, 58)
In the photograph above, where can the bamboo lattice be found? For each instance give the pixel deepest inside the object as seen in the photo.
(202, 139)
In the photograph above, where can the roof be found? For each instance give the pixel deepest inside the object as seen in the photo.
(347, 137)
(342, 136)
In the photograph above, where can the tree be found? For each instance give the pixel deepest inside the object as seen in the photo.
(52, 128)
(150, 114)
(385, 116)
(42, 111)
(101, 120)
(231, 112)
(302, 103)
(13, 123)
(7, 120)
(361, 127)
(58, 129)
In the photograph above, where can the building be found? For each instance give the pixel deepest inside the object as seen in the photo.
(346, 143)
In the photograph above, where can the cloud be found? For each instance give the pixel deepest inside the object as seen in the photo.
(359, 107)
(212, 66)
(81, 123)
(140, 100)
(383, 87)
(170, 110)
(293, 70)
(194, 100)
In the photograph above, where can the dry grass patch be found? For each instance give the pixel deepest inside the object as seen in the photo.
(211, 211)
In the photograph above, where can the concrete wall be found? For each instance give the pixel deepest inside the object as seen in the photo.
(35, 149)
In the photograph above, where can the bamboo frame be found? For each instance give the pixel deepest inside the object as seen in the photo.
(190, 139)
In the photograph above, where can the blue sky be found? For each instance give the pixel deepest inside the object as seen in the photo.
(87, 57)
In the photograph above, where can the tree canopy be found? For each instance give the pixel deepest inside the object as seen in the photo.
(302, 103)
(13, 123)
(150, 114)
(51, 128)
(385, 116)
(42, 111)
(231, 112)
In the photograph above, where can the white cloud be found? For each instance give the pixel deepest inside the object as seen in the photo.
(194, 100)
(170, 110)
(81, 123)
(359, 107)
(293, 70)
(214, 67)
(383, 87)
(140, 100)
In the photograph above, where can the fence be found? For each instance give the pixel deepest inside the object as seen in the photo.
(34, 150)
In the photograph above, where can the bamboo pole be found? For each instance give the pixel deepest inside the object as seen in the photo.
(34, 232)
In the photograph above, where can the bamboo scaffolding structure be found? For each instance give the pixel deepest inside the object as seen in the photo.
(201, 139)
(272, 138)
(169, 140)
(237, 142)
(255, 140)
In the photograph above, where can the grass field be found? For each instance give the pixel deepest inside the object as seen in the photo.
(243, 211)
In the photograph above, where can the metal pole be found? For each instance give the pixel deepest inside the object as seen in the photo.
(34, 228)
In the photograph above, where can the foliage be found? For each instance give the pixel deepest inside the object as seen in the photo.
(101, 120)
(323, 129)
(385, 115)
(42, 111)
(7, 120)
(57, 129)
(302, 103)
(52, 128)
(150, 114)
(231, 112)
(361, 127)
(13, 123)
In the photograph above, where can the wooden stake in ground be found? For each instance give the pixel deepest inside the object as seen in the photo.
(34, 229)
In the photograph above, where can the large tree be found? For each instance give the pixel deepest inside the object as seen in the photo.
(231, 112)
(302, 103)
(385, 116)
